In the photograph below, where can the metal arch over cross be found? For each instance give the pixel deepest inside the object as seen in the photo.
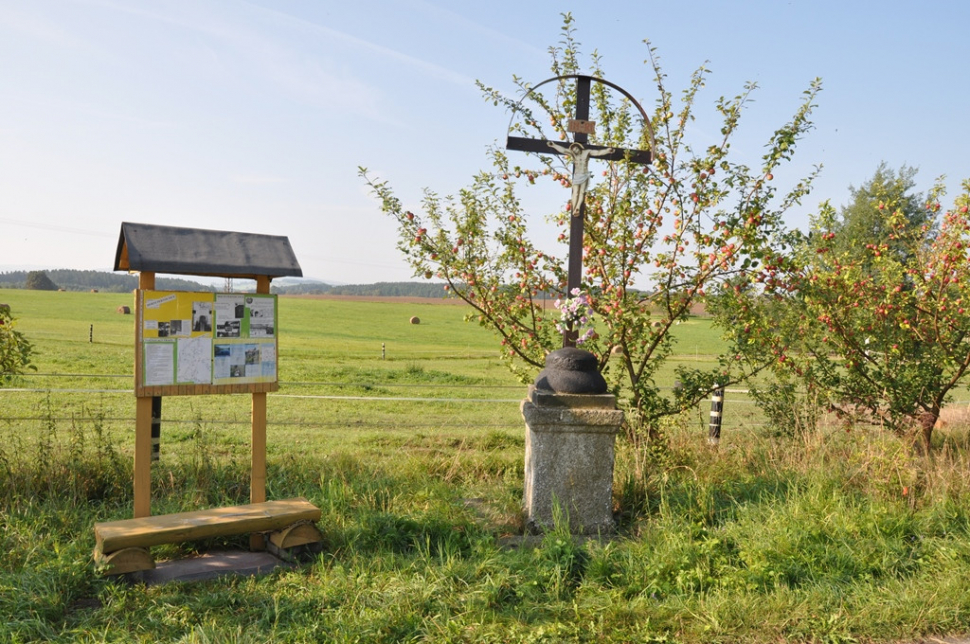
(580, 151)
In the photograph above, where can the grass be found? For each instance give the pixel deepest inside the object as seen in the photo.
(822, 536)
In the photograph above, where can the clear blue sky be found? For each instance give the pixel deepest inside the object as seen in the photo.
(254, 116)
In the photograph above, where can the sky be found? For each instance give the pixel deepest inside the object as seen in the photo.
(254, 116)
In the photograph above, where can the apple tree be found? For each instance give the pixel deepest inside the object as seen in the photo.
(658, 237)
(880, 324)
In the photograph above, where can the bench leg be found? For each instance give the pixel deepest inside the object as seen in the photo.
(124, 561)
(292, 541)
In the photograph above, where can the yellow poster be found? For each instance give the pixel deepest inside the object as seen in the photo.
(177, 315)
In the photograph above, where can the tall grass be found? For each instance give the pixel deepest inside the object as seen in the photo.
(827, 536)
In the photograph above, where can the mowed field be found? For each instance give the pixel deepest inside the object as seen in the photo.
(409, 439)
(346, 366)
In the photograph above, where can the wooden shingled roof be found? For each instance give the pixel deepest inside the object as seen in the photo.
(194, 251)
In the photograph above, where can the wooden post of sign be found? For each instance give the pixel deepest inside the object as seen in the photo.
(257, 486)
(143, 419)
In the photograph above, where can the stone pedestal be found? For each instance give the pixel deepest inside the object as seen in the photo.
(569, 446)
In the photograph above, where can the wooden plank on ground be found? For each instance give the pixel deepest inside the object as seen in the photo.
(202, 524)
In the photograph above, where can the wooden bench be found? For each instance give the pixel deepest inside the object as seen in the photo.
(123, 546)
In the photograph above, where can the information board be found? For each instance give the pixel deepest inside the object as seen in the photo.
(200, 343)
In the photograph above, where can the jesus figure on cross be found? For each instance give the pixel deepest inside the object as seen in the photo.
(581, 174)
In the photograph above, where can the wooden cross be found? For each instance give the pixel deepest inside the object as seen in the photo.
(580, 152)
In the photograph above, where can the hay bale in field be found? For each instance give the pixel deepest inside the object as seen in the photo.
(415, 320)
(94, 290)
(124, 310)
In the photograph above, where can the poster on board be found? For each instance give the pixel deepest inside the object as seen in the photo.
(207, 338)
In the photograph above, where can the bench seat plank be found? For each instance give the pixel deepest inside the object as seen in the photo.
(145, 532)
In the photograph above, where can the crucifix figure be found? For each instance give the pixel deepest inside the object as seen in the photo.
(581, 173)
(580, 152)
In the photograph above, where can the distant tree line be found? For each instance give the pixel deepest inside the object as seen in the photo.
(75, 280)
(380, 289)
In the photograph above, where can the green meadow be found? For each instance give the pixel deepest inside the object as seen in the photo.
(342, 365)
(409, 438)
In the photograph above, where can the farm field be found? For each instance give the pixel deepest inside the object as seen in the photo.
(344, 365)
(409, 438)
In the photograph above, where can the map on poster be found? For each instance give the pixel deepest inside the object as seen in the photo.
(207, 338)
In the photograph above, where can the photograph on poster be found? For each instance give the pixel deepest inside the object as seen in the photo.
(261, 330)
(202, 317)
(228, 329)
